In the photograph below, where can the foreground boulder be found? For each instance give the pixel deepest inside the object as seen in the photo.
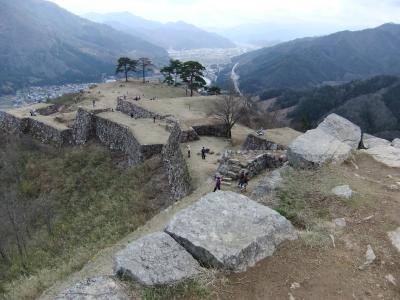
(156, 259)
(396, 143)
(343, 191)
(371, 141)
(331, 142)
(316, 148)
(99, 288)
(342, 129)
(229, 231)
(387, 155)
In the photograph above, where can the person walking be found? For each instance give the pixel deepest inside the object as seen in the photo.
(241, 180)
(154, 119)
(94, 102)
(188, 150)
(217, 184)
(203, 153)
(245, 182)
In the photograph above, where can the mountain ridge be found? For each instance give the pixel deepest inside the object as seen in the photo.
(41, 43)
(307, 62)
(171, 35)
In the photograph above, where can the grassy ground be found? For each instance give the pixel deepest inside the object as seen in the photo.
(92, 203)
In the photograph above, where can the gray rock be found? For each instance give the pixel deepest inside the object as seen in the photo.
(99, 288)
(340, 222)
(156, 259)
(396, 143)
(387, 155)
(343, 191)
(342, 129)
(266, 188)
(394, 237)
(316, 148)
(229, 231)
(371, 141)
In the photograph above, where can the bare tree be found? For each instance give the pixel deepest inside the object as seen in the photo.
(229, 109)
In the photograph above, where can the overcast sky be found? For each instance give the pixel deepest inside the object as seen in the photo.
(227, 13)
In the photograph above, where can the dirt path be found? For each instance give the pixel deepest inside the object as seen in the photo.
(328, 272)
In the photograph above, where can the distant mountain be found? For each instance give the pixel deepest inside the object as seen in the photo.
(271, 33)
(41, 43)
(173, 35)
(307, 62)
(373, 104)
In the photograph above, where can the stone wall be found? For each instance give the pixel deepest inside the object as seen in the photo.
(48, 134)
(254, 142)
(85, 125)
(48, 110)
(130, 108)
(13, 124)
(188, 134)
(217, 130)
(117, 137)
(253, 162)
(175, 165)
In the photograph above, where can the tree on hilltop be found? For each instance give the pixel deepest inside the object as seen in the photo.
(145, 64)
(167, 72)
(126, 65)
(229, 109)
(172, 72)
(192, 74)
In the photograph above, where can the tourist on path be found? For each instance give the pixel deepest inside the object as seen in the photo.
(154, 119)
(217, 184)
(245, 182)
(94, 102)
(241, 180)
(203, 153)
(188, 150)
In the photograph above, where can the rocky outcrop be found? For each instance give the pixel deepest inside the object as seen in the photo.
(254, 142)
(387, 155)
(252, 162)
(229, 231)
(175, 165)
(370, 141)
(128, 107)
(98, 288)
(156, 259)
(342, 129)
(331, 142)
(343, 191)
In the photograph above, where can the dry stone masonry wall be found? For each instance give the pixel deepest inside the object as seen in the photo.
(137, 112)
(253, 162)
(175, 165)
(13, 124)
(254, 142)
(48, 134)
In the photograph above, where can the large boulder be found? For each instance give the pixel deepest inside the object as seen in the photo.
(371, 141)
(331, 142)
(396, 143)
(98, 288)
(387, 155)
(156, 259)
(316, 148)
(343, 191)
(229, 231)
(342, 129)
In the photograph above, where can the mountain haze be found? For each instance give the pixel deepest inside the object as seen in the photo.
(41, 43)
(307, 62)
(172, 35)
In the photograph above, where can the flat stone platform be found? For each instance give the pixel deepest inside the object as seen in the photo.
(145, 131)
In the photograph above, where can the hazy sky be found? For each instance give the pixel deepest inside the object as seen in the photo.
(226, 13)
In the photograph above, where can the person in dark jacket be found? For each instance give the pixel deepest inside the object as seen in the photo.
(217, 184)
(203, 153)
